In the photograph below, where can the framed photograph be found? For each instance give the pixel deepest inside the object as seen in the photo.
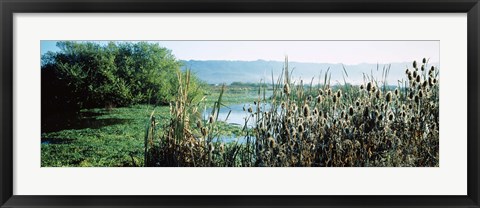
(247, 104)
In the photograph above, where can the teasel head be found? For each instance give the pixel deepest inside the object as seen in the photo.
(434, 81)
(271, 142)
(315, 111)
(411, 95)
(378, 95)
(222, 148)
(388, 97)
(210, 119)
(423, 67)
(430, 81)
(415, 74)
(199, 124)
(334, 99)
(329, 91)
(424, 85)
(320, 92)
(420, 94)
(418, 78)
(339, 94)
(417, 99)
(361, 87)
(407, 72)
(286, 89)
(319, 99)
(369, 86)
(374, 88)
(357, 103)
(397, 92)
(204, 132)
(390, 116)
(414, 64)
(306, 110)
(350, 111)
(250, 110)
(300, 128)
(380, 117)
(424, 60)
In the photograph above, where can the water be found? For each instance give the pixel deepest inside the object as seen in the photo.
(235, 115)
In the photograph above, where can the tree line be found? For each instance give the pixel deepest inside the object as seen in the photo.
(91, 75)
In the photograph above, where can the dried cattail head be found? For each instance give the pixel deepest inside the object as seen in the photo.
(411, 95)
(418, 78)
(309, 98)
(250, 110)
(361, 87)
(369, 86)
(415, 74)
(380, 117)
(424, 60)
(388, 97)
(199, 124)
(259, 147)
(378, 95)
(319, 99)
(423, 67)
(342, 115)
(434, 81)
(329, 92)
(210, 119)
(315, 111)
(407, 71)
(410, 106)
(414, 64)
(350, 110)
(396, 92)
(306, 110)
(417, 99)
(374, 88)
(339, 93)
(286, 89)
(420, 94)
(357, 103)
(424, 85)
(254, 102)
(334, 99)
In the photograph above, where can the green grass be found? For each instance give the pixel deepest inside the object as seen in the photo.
(112, 145)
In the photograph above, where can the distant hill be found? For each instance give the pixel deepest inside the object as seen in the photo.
(220, 71)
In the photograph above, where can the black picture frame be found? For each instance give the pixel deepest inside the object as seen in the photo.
(9, 7)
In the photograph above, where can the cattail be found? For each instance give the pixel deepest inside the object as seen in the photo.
(396, 92)
(424, 60)
(423, 67)
(320, 92)
(329, 92)
(425, 83)
(434, 81)
(350, 110)
(420, 94)
(357, 103)
(378, 94)
(250, 110)
(374, 88)
(407, 71)
(411, 95)
(369, 86)
(414, 74)
(388, 97)
(361, 87)
(199, 124)
(306, 110)
(319, 99)
(414, 64)
(342, 115)
(380, 117)
(309, 98)
(334, 99)
(418, 78)
(286, 89)
(339, 93)
(315, 111)
(417, 99)
(254, 102)
(410, 106)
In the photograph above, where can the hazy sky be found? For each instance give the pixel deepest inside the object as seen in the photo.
(346, 52)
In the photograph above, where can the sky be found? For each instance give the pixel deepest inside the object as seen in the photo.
(345, 52)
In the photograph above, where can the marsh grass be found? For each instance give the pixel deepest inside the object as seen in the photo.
(303, 125)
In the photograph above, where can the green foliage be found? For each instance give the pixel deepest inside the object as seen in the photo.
(89, 75)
